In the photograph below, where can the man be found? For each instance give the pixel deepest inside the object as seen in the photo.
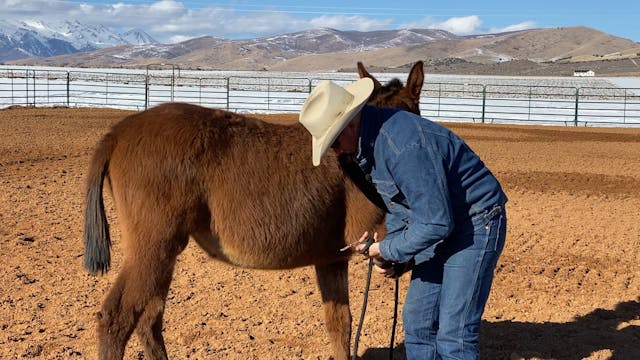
(446, 212)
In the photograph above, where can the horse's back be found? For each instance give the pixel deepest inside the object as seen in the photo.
(249, 183)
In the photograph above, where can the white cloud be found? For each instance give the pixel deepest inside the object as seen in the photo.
(353, 22)
(466, 25)
(515, 27)
(88, 8)
(460, 25)
(166, 6)
(33, 8)
(261, 23)
(6, 3)
(179, 38)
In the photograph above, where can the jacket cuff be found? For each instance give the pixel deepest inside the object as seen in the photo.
(390, 252)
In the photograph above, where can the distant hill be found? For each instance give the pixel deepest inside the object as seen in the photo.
(526, 50)
(549, 51)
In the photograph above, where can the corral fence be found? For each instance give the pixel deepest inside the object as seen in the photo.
(442, 101)
(533, 104)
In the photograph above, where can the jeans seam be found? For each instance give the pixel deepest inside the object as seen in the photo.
(475, 290)
(497, 236)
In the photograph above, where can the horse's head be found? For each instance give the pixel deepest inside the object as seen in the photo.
(394, 94)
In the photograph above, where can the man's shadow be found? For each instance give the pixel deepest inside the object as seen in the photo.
(599, 330)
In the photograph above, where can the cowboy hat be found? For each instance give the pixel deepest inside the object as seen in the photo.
(328, 110)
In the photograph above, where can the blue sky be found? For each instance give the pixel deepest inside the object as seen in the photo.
(174, 20)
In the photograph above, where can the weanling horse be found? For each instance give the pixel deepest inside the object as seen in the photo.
(243, 189)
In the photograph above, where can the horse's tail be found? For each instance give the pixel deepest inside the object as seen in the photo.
(97, 242)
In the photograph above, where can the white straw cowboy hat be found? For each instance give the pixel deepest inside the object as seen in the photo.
(328, 110)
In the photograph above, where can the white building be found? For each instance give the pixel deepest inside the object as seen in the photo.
(584, 73)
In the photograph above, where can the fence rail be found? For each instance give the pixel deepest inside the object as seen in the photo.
(444, 101)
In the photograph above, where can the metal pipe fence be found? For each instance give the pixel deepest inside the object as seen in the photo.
(443, 101)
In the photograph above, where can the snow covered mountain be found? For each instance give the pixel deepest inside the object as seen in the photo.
(138, 37)
(34, 38)
(331, 40)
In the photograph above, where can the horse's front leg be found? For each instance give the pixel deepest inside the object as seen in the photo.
(334, 288)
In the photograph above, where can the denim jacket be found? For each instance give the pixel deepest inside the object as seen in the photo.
(428, 177)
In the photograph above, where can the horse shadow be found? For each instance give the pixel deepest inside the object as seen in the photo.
(613, 331)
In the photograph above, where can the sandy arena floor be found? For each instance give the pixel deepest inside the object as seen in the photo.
(567, 285)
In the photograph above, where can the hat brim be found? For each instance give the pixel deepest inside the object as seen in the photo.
(361, 90)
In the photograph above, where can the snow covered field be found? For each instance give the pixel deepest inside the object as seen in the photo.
(532, 100)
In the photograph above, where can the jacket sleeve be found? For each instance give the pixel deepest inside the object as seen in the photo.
(420, 175)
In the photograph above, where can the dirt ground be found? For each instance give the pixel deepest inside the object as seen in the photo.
(567, 285)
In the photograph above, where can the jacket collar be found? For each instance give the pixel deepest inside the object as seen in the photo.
(370, 124)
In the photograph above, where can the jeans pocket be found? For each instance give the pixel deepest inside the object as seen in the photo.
(496, 229)
(490, 224)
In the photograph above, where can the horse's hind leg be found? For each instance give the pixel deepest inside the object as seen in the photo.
(150, 323)
(114, 327)
(333, 283)
(139, 294)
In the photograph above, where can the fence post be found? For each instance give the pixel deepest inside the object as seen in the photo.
(12, 81)
(228, 85)
(146, 91)
(439, 97)
(68, 86)
(173, 81)
(484, 101)
(624, 109)
(48, 76)
(575, 117)
(26, 88)
(34, 88)
(529, 105)
(106, 95)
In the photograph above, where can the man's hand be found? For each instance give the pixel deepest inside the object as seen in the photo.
(381, 266)
(373, 250)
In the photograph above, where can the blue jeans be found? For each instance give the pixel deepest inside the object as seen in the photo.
(449, 288)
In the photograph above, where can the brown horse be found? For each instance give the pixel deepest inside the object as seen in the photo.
(245, 190)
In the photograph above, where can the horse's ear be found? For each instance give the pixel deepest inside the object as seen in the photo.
(416, 79)
(364, 73)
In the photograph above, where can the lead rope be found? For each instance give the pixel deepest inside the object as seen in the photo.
(354, 172)
(395, 318)
(365, 300)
